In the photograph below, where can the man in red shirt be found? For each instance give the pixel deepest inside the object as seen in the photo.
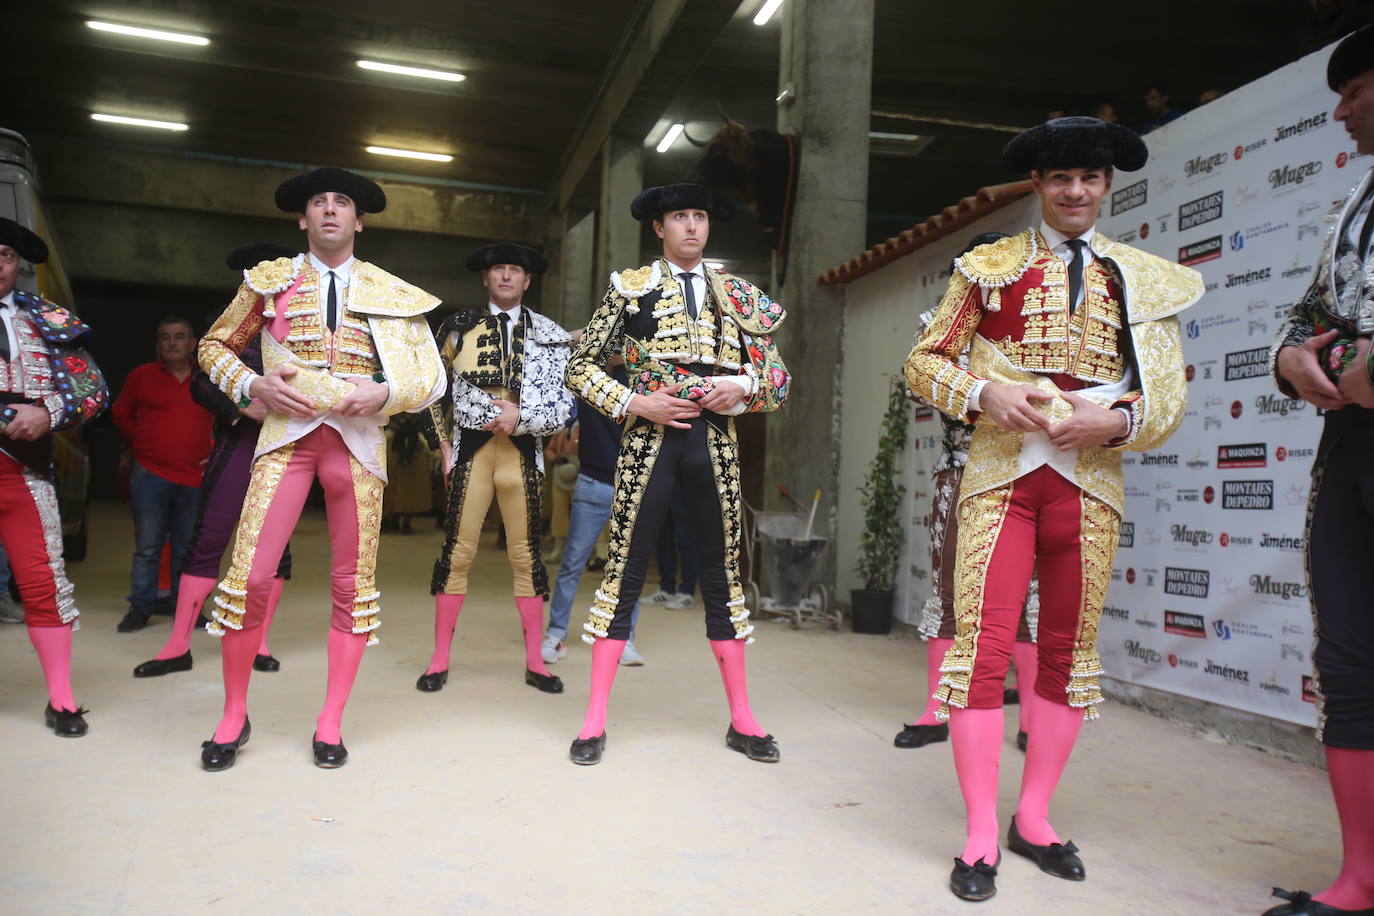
(168, 435)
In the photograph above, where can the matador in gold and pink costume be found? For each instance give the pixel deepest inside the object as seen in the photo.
(1082, 330)
(332, 327)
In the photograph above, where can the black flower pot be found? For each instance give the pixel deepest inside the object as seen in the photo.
(871, 610)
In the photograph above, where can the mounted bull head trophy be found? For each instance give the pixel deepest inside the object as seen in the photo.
(762, 164)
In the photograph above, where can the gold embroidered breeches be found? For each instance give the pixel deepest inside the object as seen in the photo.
(656, 462)
(1042, 521)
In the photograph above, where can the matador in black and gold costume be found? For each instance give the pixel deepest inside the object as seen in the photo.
(698, 349)
(1074, 355)
(506, 393)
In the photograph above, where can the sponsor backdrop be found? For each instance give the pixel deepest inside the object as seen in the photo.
(1209, 598)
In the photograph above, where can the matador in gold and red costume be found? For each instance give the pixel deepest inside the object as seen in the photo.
(1074, 356)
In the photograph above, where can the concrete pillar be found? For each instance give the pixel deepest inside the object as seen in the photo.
(826, 62)
(581, 288)
(617, 233)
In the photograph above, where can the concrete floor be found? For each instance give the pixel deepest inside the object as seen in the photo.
(465, 800)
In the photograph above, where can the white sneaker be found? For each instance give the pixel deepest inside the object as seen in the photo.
(11, 611)
(630, 658)
(680, 602)
(553, 649)
(660, 597)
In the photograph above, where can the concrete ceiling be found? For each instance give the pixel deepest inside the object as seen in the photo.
(278, 82)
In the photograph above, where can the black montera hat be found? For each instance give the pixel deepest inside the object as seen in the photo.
(23, 240)
(1075, 143)
(293, 193)
(1353, 56)
(508, 253)
(254, 254)
(651, 203)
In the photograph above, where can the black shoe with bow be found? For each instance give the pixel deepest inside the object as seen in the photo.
(157, 667)
(1300, 903)
(328, 756)
(66, 723)
(547, 683)
(921, 735)
(132, 622)
(763, 748)
(973, 882)
(587, 751)
(265, 663)
(432, 683)
(216, 756)
(1056, 859)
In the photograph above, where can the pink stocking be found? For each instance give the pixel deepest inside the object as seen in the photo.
(976, 735)
(446, 611)
(345, 654)
(605, 661)
(191, 594)
(729, 655)
(935, 657)
(272, 598)
(1025, 658)
(237, 649)
(54, 648)
(531, 612)
(1351, 772)
(1056, 730)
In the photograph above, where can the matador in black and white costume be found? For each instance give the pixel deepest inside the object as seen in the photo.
(698, 349)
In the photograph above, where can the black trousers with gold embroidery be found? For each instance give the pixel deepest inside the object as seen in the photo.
(655, 463)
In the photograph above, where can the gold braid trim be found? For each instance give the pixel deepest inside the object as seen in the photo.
(367, 497)
(932, 370)
(229, 599)
(1100, 526)
(981, 517)
(638, 454)
(724, 452)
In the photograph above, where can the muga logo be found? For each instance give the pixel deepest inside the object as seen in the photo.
(1142, 653)
(1290, 176)
(1268, 404)
(1193, 537)
(1204, 165)
(1267, 585)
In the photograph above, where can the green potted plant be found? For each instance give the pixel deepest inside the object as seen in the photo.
(880, 545)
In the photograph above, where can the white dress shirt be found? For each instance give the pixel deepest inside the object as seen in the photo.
(343, 275)
(7, 308)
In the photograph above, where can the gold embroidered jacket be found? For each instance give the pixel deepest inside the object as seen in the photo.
(643, 317)
(382, 335)
(1008, 302)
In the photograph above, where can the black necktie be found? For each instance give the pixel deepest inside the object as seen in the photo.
(504, 318)
(333, 305)
(1365, 233)
(689, 291)
(1076, 271)
(4, 335)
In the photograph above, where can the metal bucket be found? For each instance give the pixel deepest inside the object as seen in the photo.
(792, 557)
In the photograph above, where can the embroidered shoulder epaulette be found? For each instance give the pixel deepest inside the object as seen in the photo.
(1000, 263)
(376, 292)
(637, 282)
(464, 320)
(1157, 287)
(545, 330)
(56, 324)
(271, 277)
(747, 305)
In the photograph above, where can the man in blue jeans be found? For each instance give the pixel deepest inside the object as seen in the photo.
(598, 446)
(168, 436)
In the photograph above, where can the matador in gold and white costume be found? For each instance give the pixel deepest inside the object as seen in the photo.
(344, 345)
(1075, 355)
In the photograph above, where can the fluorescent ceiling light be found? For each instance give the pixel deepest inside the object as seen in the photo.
(669, 138)
(180, 37)
(137, 122)
(409, 154)
(412, 71)
(715, 265)
(907, 138)
(766, 12)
